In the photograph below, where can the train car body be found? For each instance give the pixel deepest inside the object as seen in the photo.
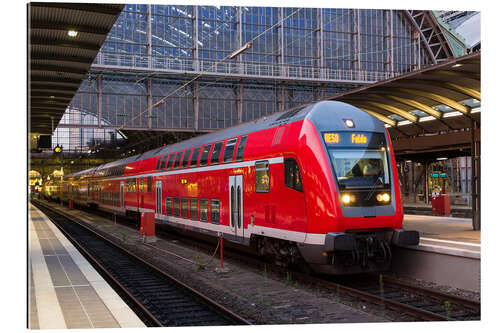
(316, 184)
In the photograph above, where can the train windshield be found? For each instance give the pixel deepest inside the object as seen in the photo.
(361, 168)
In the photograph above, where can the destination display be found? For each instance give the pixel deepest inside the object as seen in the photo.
(350, 139)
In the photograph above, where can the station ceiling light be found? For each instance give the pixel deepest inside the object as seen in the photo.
(72, 33)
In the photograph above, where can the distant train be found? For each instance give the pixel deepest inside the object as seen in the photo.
(315, 185)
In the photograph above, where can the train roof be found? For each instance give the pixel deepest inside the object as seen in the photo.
(319, 113)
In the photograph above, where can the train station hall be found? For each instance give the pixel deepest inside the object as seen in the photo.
(206, 164)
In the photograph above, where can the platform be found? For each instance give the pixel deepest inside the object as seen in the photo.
(449, 252)
(65, 291)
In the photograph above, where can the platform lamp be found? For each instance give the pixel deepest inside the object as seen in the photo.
(58, 150)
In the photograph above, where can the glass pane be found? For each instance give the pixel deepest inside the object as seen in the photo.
(194, 209)
(204, 210)
(163, 161)
(184, 207)
(262, 176)
(176, 206)
(185, 158)
(239, 207)
(169, 205)
(232, 206)
(241, 149)
(170, 161)
(177, 160)
(194, 157)
(215, 158)
(214, 211)
(204, 155)
(229, 151)
(360, 168)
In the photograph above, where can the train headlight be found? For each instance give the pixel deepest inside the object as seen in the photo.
(383, 197)
(347, 198)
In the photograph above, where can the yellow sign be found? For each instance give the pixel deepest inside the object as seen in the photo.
(184, 181)
(332, 138)
(358, 138)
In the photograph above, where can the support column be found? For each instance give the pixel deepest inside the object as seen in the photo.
(99, 100)
(239, 41)
(148, 35)
(149, 88)
(240, 102)
(321, 43)
(281, 38)
(196, 50)
(389, 43)
(413, 185)
(356, 44)
(426, 187)
(196, 104)
(475, 178)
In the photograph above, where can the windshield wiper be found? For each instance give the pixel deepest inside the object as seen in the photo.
(372, 189)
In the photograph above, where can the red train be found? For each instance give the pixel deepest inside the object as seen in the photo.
(316, 184)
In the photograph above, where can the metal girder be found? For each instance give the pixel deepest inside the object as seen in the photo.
(65, 44)
(464, 90)
(438, 98)
(58, 58)
(57, 69)
(469, 75)
(417, 105)
(107, 9)
(379, 116)
(39, 81)
(387, 107)
(62, 26)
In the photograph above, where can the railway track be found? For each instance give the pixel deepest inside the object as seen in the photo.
(158, 298)
(396, 300)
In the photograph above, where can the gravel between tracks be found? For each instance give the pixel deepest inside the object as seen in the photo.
(258, 296)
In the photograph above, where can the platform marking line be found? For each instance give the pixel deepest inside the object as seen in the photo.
(118, 308)
(450, 242)
(49, 310)
(453, 249)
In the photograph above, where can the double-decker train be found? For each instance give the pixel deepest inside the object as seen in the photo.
(315, 185)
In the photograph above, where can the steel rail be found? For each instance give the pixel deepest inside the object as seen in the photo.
(227, 312)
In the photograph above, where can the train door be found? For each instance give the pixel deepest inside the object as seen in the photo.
(158, 197)
(122, 198)
(236, 205)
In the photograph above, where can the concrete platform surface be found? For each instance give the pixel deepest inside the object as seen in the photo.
(65, 291)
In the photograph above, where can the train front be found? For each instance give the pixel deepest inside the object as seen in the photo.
(362, 212)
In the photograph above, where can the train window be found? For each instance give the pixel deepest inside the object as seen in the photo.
(168, 204)
(184, 207)
(227, 157)
(204, 210)
(163, 161)
(215, 211)
(177, 160)
(176, 206)
(142, 185)
(170, 161)
(150, 184)
(241, 148)
(185, 158)
(215, 158)
(204, 155)
(193, 206)
(194, 157)
(292, 174)
(158, 162)
(262, 176)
